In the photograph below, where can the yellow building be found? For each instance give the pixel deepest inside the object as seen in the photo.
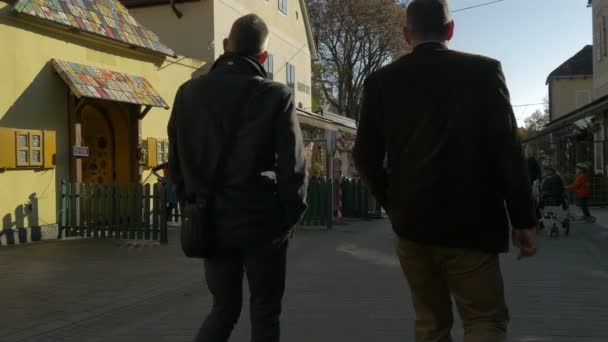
(600, 42)
(83, 85)
(571, 84)
(205, 24)
(202, 27)
(578, 101)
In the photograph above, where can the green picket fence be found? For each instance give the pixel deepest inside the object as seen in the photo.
(320, 206)
(130, 211)
(356, 200)
(599, 191)
(174, 214)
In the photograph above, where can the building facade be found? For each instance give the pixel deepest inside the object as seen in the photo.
(87, 89)
(201, 27)
(600, 42)
(206, 23)
(84, 86)
(579, 109)
(571, 84)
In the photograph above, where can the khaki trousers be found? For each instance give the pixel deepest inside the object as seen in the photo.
(472, 278)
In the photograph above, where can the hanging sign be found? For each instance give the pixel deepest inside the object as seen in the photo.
(80, 151)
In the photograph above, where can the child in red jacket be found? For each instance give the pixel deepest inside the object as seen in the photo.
(582, 188)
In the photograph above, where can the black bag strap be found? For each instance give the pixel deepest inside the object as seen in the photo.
(217, 177)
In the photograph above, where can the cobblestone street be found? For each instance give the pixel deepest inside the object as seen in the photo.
(343, 285)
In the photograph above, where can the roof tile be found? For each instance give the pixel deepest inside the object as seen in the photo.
(105, 18)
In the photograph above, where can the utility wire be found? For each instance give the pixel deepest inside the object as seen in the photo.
(528, 105)
(476, 6)
(290, 59)
(271, 32)
(278, 36)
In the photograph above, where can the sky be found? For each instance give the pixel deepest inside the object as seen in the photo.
(530, 37)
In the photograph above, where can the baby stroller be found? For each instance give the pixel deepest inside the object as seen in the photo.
(553, 204)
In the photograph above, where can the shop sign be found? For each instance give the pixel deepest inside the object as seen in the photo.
(80, 151)
(304, 88)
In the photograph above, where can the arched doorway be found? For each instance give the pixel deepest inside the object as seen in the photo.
(98, 135)
(105, 131)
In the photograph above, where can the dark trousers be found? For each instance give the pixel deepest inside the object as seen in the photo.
(584, 204)
(265, 269)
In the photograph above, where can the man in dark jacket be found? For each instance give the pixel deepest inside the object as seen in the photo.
(535, 174)
(445, 124)
(553, 191)
(260, 191)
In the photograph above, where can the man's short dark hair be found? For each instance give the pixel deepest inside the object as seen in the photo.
(428, 18)
(249, 35)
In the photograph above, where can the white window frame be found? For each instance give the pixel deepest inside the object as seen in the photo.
(604, 36)
(269, 66)
(598, 37)
(598, 147)
(291, 76)
(283, 6)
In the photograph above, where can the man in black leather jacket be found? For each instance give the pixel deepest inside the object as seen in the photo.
(552, 189)
(260, 191)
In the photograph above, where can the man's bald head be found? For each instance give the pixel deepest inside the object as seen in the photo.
(248, 36)
(429, 20)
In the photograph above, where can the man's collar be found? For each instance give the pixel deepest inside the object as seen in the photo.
(431, 45)
(240, 61)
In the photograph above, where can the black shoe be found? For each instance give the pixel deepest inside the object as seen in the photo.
(554, 232)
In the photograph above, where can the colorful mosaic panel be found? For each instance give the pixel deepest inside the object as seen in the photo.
(104, 84)
(107, 18)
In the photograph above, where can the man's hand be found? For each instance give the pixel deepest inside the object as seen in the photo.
(525, 240)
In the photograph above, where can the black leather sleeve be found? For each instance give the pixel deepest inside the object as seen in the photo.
(175, 171)
(291, 164)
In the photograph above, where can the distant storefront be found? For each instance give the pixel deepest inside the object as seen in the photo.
(578, 137)
(328, 140)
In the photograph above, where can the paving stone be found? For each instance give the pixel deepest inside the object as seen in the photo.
(343, 285)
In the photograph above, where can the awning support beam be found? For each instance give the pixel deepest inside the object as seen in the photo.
(81, 102)
(144, 112)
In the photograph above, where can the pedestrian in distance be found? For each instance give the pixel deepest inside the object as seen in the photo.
(236, 152)
(535, 174)
(582, 189)
(455, 181)
(167, 187)
(553, 201)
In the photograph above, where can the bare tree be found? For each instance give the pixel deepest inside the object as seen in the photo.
(537, 121)
(354, 38)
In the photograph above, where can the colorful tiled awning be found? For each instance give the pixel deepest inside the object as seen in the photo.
(88, 81)
(106, 18)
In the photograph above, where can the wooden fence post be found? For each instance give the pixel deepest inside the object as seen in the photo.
(138, 210)
(79, 226)
(124, 212)
(164, 238)
(72, 208)
(329, 194)
(147, 211)
(155, 211)
(63, 211)
(90, 205)
(103, 208)
(115, 211)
